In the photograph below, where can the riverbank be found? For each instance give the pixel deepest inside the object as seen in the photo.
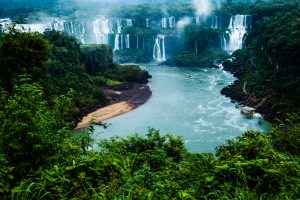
(121, 100)
(238, 92)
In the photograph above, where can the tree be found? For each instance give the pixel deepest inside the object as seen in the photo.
(22, 52)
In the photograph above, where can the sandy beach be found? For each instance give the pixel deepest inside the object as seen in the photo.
(120, 102)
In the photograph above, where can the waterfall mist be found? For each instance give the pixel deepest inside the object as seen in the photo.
(202, 7)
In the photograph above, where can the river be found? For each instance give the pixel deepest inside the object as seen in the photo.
(191, 108)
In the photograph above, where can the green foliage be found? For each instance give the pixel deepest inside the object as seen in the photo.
(159, 167)
(129, 55)
(197, 37)
(41, 159)
(251, 162)
(130, 73)
(66, 72)
(6, 175)
(31, 129)
(285, 136)
(97, 58)
(22, 53)
(200, 48)
(191, 59)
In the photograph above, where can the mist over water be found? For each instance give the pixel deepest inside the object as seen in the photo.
(203, 7)
(191, 108)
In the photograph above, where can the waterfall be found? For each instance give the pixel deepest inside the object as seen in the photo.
(82, 32)
(101, 31)
(164, 23)
(137, 42)
(128, 22)
(237, 29)
(111, 26)
(122, 41)
(117, 36)
(159, 50)
(127, 41)
(156, 50)
(172, 22)
(200, 20)
(215, 22)
(117, 42)
(4, 23)
(58, 25)
(223, 41)
(72, 27)
(163, 48)
(147, 23)
(119, 24)
(197, 20)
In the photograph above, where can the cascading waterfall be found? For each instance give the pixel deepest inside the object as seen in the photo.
(82, 32)
(117, 37)
(164, 23)
(101, 31)
(215, 22)
(127, 41)
(223, 42)
(58, 25)
(117, 42)
(197, 20)
(159, 50)
(128, 22)
(111, 26)
(200, 20)
(236, 30)
(72, 27)
(147, 23)
(4, 23)
(172, 22)
(156, 50)
(119, 24)
(163, 48)
(137, 42)
(122, 41)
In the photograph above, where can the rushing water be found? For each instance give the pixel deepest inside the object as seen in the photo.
(191, 108)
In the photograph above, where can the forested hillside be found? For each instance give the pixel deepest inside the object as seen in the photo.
(268, 67)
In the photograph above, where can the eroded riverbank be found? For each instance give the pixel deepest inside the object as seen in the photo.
(120, 101)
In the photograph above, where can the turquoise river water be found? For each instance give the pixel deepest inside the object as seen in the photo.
(191, 108)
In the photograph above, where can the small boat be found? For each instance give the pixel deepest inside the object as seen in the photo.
(190, 76)
(246, 110)
(104, 125)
